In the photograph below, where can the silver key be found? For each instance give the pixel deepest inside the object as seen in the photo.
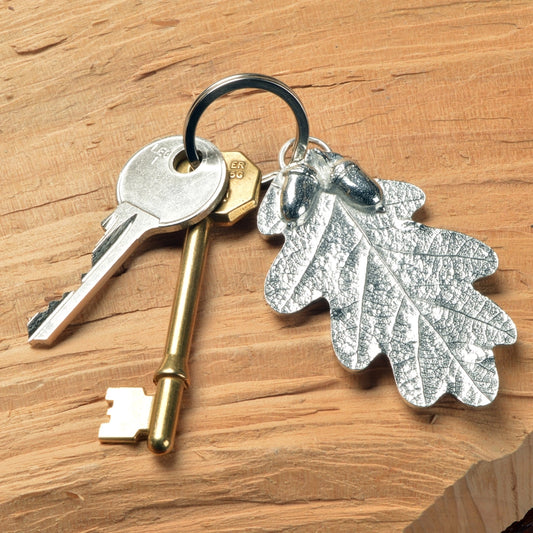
(153, 197)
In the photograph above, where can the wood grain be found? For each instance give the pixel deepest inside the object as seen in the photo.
(275, 435)
(488, 498)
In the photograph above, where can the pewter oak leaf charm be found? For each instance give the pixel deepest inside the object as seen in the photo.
(394, 286)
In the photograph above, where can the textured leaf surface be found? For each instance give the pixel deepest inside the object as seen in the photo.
(394, 286)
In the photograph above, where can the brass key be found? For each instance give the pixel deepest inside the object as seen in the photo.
(129, 419)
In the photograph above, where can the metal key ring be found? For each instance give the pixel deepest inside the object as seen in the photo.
(267, 178)
(245, 81)
(290, 142)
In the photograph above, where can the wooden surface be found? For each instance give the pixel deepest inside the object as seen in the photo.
(274, 435)
(488, 498)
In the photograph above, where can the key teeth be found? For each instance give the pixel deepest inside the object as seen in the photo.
(129, 415)
(107, 220)
(99, 251)
(127, 227)
(103, 246)
(35, 322)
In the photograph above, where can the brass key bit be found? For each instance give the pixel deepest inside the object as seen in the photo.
(172, 377)
(130, 415)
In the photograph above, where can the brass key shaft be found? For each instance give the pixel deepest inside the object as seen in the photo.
(172, 377)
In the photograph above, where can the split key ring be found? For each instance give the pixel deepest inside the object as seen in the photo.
(245, 81)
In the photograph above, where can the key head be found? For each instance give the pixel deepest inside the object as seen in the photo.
(150, 182)
(242, 195)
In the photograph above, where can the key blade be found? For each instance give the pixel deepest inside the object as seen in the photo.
(125, 229)
(129, 415)
(114, 232)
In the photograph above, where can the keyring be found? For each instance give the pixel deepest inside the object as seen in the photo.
(245, 81)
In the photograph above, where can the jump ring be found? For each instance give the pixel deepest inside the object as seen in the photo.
(267, 178)
(290, 142)
(245, 81)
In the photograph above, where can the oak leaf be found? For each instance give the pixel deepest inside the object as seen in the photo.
(394, 286)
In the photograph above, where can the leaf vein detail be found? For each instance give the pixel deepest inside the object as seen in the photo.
(426, 320)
